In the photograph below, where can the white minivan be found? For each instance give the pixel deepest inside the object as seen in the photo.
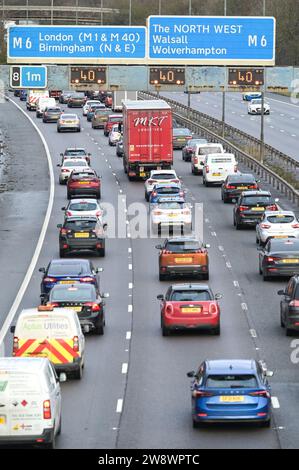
(217, 166)
(30, 399)
(199, 155)
(42, 104)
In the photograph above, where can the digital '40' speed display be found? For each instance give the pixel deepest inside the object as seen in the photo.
(248, 76)
(88, 75)
(167, 76)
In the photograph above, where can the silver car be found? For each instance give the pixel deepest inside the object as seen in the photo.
(69, 122)
(277, 224)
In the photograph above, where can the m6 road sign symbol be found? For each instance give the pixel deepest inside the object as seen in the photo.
(22, 76)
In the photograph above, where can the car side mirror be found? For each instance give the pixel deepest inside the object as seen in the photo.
(86, 329)
(269, 373)
(13, 329)
(42, 270)
(158, 247)
(106, 295)
(99, 270)
(160, 297)
(63, 208)
(234, 201)
(191, 374)
(207, 245)
(62, 377)
(105, 226)
(277, 199)
(59, 164)
(59, 225)
(281, 292)
(218, 296)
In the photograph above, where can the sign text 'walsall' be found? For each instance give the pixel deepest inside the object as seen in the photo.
(76, 44)
(215, 40)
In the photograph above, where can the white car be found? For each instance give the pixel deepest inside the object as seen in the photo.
(84, 207)
(159, 176)
(176, 214)
(30, 398)
(114, 135)
(200, 152)
(70, 164)
(278, 224)
(217, 167)
(88, 104)
(255, 107)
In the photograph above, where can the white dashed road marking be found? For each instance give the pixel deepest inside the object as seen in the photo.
(124, 368)
(119, 405)
(275, 402)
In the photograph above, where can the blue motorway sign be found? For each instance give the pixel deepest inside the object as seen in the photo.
(215, 40)
(76, 44)
(24, 76)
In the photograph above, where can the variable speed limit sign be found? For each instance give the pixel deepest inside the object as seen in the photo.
(22, 76)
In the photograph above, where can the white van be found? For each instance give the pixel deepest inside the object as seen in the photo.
(42, 104)
(52, 333)
(30, 400)
(33, 96)
(199, 155)
(217, 166)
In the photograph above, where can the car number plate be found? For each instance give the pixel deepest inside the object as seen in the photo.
(257, 209)
(216, 174)
(172, 215)
(81, 235)
(279, 236)
(2, 419)
(290, 261)
(77, 309)
(231, 399)
(191, 310)
(242, 187)
(183, 260)
(142, 174)
(82, 182)
(67, 282)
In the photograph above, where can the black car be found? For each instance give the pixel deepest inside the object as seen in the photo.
(85, 300)
(65, 96)
(280, 257)
(235, 184)
(81, 233)
(250, 207)
(190, 148)
(68, 271)
(180, 137)
(289, 306)
(51, 114)
(120, 149)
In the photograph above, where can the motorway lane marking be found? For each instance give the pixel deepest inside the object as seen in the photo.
(214, 234)
(130, 285)
(282, 130)
(283, 102)
(130, 308)
(244, 307)
(294, 135)
(221, 248)
(275, 402)
(236, 284)
(228, 265)
(129, 250)
(119, 405)
(253, 333)
(129, 335)
(124, 368)
(130, 267)
(13, 310)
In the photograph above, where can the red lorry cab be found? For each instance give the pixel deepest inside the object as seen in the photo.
(147, 137)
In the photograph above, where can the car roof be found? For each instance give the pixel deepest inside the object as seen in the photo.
(268, 213)
(256, 193)
(83, 199)
(170, 199)
(241, 175)
(29, 312)
(154, 172)
(73, 218)
(27, 364)
(69, 114)
(190, 287)
(70, 261)
(277, 242)
(182, 239)
(229, 366)
(74, 160)
(166, 185)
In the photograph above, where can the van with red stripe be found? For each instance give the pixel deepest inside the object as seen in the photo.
(54, 334)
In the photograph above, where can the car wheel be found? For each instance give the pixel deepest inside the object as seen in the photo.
(266, 424)
(165, 330)
(162, 277)
(281, 321)
(265, 277)
(205, 277)
(69, 195)
(238, 226)
(192, 171)
(146, 195)
(289, 332)
(50, 445)
(257, 241)
(59, 427)
(99, 329)
(58, 130)
(195, 424)
(99, 195)
(216, 331)
(101, 252)
(234, 222)
(225, 199)
(78, 374)
(61, 253)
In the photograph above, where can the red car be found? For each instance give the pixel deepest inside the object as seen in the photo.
(111, 121)
(190, 306)
(84, 183)
(108, 101)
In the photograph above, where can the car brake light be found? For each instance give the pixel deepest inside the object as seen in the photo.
(98, 213)
(213, 308)
(94, 306)
(271, 259)
(87, 279)
(175, 181)
(273, 207)
(260, 393)
(207, 169)
(195, 160)
(169, 309)
(15, 344)
(265, 226)
(201, 393)
(47, 409)
(243, 208)
(154, 194)
(295, 225)
(157, 213)
(181, 194)
(294, 303)
(166, 252)
(229, 186)
(150, 181)
(76, 343)
(49, 279)
(189, 137)
(52, 305)
(64, 170)
(254, 186)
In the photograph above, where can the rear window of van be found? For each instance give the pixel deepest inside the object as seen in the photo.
(38, 327)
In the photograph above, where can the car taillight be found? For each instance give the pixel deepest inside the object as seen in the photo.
(253, 186)
(47, 409)
(150, 181)
(229, 186)
(65, 171)
(169, 309)
(68, 213)
(49, 279)
(213, 308)
(157, 213)
(294, 303)
(87, 279)
(243, 208)
(295, 225)
(53, 305)
(189, 137)
(207, 169)
(260, 393)
(166, 252)
(265, 226)
(273, 207)
(154, 194)
(271, 259)
(181, 194)
(98, 213)
(201, 393)
(195, 160)
(64, 231)
(175, 181)
(15, 344)
(76, 343)
(94, 306)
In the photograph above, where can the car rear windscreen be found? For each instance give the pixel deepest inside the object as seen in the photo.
(69, 269)
(231, 381)
(254, 200)
(209, 150)
(80, 225)
(115, 119)
(191, 296)
(166, 190)
(222, 160)
(183, 246)
(73, 294)
(280, 219)
(75, 152)
(75, 164)
(165, 176)
(82, 206)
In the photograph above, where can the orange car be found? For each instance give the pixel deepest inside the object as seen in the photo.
(183, 257)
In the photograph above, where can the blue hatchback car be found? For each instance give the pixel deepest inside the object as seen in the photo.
(166, 190)
(230, 391)
(68, 271)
